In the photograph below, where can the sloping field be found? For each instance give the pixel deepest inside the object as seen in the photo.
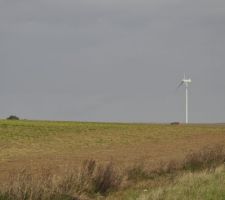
(35, 144)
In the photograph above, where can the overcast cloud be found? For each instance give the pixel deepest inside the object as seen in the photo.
(112, 60)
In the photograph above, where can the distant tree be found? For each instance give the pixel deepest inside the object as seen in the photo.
(13, 117)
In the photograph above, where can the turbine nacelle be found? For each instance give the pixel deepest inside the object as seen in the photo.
(186, 80)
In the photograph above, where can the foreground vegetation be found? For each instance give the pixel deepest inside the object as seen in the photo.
(74, 160)
(201, 175)
(204, 185)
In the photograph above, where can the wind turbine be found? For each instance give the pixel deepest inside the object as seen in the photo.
(185, 82)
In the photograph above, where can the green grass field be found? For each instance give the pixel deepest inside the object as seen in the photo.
(33, 145)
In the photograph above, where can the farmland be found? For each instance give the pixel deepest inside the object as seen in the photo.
(33, 145)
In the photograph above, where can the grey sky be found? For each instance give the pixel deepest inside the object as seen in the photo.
(112, 60)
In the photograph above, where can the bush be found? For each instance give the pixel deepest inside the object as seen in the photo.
(13, 117)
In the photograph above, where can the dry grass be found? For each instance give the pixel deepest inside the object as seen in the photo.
(209, 157)
(204, 185)
(94, 179)
(90, 180)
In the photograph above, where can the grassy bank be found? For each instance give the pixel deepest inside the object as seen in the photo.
(204, 185)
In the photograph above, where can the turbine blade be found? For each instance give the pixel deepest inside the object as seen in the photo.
(181, 83)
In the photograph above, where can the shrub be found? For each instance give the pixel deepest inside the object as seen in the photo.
(13, 117)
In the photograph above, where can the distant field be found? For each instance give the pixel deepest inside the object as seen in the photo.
(39, 143)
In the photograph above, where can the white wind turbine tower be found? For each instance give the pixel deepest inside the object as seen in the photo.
(185, 82)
